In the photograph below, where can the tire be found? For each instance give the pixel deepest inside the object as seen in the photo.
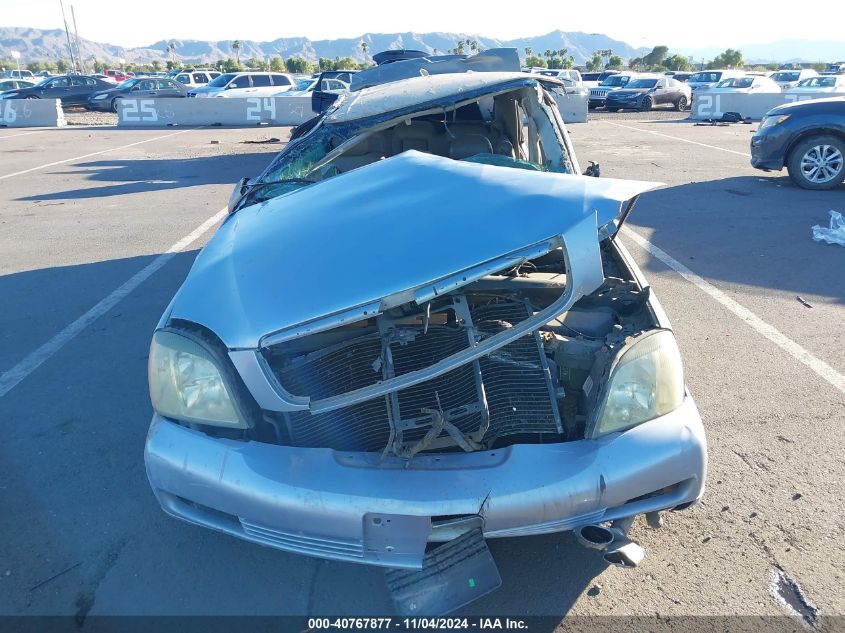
(647, 104)
(817, 162)
(114, 104)
(682, 103)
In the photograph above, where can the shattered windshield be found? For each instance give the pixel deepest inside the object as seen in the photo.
(514, 129)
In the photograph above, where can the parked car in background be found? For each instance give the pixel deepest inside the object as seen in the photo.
(116, 75)
(649, 91)
(18, 74)
(822, 85)
(366, 403)
(608, 85)
(569, 76)
(806, 137)
(247, 84)
(745, 85)
(70, 89)
(107, 78)
(592, 80)
(137, 87)
(790, 78)
(13, 84)
(682, 77)
(43, 73)
(709, 78)
(834, 68)
(195, 78)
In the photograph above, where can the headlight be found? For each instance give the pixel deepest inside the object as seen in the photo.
(769, 121)
(186, 384)
(646, 382)
(100, 97)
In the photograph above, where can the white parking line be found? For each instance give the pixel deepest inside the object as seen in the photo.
(11, 378)
(769, 331)
(678, 138)
(105, 151)
(22, 134)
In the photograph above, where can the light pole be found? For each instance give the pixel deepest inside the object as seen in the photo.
(17, 57)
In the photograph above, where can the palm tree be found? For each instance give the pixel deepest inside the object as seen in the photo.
(528, 51)
(236, 46)
(364, 48)
(171, 50)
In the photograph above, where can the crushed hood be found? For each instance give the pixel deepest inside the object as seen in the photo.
(379, 231)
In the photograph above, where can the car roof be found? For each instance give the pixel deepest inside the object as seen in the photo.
(388, 97)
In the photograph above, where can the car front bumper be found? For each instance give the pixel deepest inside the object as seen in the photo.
(362, 508)
(626, 104)
(769, 147)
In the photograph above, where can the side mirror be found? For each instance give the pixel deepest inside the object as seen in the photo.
(237, 193)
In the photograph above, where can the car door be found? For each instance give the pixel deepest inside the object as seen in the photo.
(660, 94)
(80, 89)
(58, 88)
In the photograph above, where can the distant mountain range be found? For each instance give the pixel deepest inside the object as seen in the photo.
(46, 45)
(51, 44)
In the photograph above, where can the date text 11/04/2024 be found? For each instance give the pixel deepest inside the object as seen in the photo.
(482, 624)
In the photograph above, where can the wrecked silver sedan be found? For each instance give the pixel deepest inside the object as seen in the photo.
(418, 326)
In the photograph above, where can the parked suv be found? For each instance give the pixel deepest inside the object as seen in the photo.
(808, 138)
(598, 95)
(18, 74)
(246, 85)
(592, 80)
(195, 78)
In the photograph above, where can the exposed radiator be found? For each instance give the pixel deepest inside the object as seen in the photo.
(506, 392)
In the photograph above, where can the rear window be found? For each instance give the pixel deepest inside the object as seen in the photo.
(786, 76)
(261, 81)
(281, 80)
(200, 78)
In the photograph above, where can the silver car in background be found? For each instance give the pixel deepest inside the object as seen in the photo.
(418, 326)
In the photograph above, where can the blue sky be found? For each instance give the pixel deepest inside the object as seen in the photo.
(719, 23)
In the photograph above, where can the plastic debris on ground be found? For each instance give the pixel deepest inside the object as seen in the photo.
(835, 233)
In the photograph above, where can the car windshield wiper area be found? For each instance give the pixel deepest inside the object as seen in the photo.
(252, 194)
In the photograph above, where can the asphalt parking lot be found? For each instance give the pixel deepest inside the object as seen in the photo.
(99, 226)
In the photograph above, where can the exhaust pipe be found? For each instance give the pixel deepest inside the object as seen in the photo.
(594, 536)
(618, 549)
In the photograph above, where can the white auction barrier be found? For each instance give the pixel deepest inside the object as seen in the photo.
(31, 113)
(214, 111)
(712, 105)
(572, 107)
